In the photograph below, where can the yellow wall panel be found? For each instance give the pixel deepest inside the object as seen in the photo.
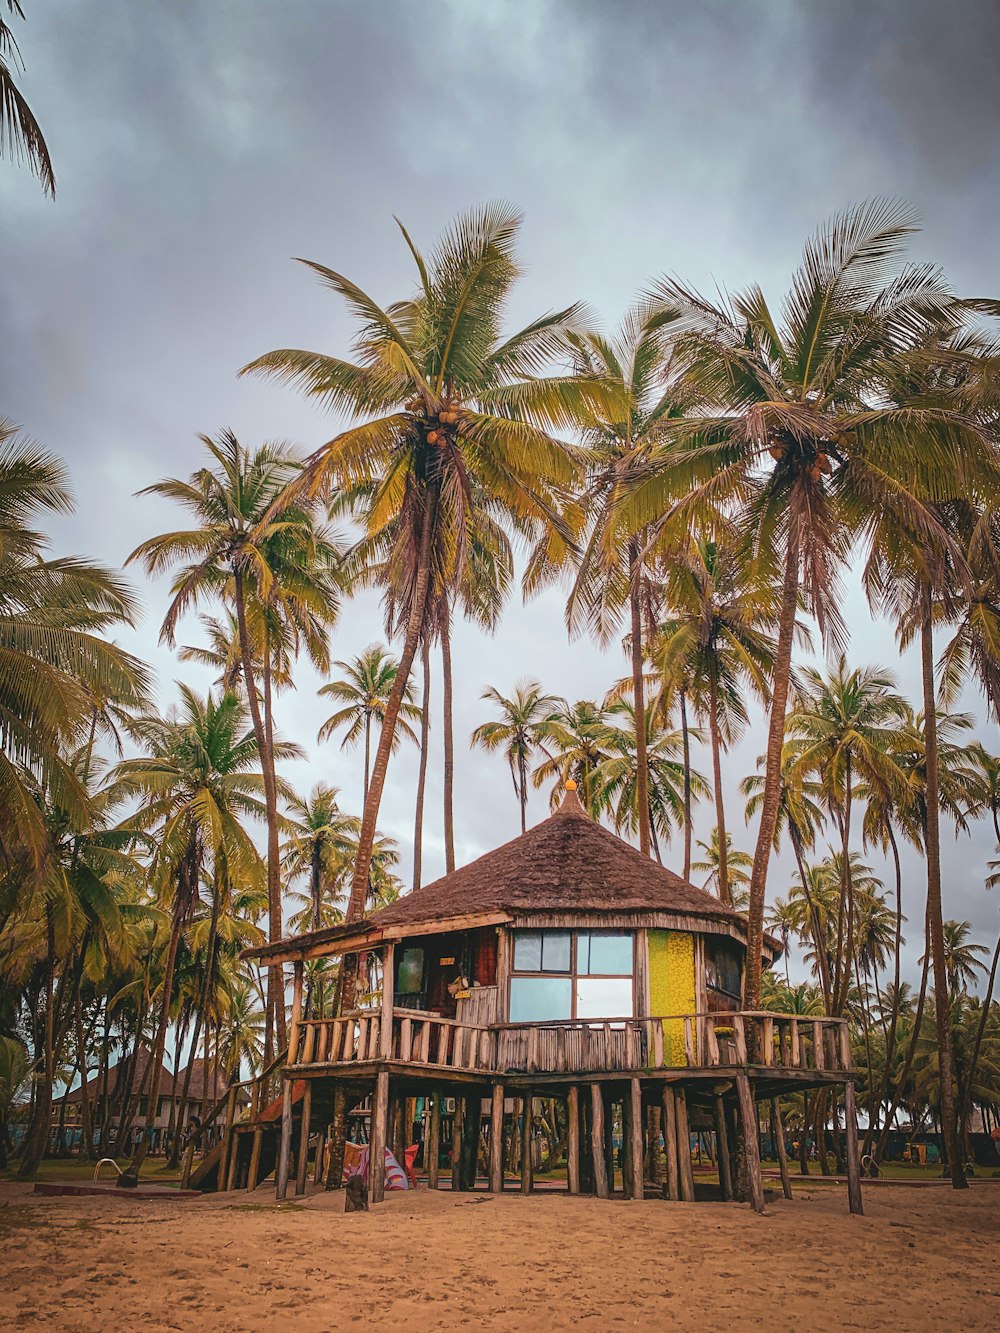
(671, 986)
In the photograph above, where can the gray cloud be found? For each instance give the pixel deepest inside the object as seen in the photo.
(200, 145)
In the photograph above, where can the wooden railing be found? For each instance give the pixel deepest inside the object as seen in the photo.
(678, 1041)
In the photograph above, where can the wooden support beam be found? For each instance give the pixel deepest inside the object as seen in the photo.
(853, 1160)
(778, 1134)
(527, 1171)
(685, 1169)
(321, 1142)
(304, 1128)
(285, 1146)
(258, 1143)
(233, 1162)
(377, 1138)
(388, 981)
(722, 1140)
(293, 1032)
(751, 1141)
(573, 1139)
(456, 1144)
(635, 1138)
(496, 1139)
(433, 1148)
(597, 1141)
(670, 1142)
(471, 1121)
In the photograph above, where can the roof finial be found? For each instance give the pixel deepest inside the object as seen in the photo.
(570, 801)
(569, 784)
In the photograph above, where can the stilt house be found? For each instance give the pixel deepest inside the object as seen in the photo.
(562, 965)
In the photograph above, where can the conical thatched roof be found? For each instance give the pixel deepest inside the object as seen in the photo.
(567, 863)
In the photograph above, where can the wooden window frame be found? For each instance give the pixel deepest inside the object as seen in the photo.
(573, 973)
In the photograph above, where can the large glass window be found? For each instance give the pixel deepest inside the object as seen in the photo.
(561, 974)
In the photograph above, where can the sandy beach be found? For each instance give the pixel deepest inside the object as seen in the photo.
(921, 1258)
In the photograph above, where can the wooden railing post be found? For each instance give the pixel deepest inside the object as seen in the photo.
(293, 1035)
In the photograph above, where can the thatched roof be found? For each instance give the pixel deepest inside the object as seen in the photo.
(568, 864)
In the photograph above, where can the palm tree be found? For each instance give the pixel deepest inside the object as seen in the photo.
(961, 956)
(363, 694)
(516, 732)
(575, 740)
(321, 847)
(58, 676)
(455, 436)
(15, 1074)
(738, 866)
(196, 787)
(670, 782)
(793, 439)
(611, 577)
(714, 642)
(278, 574)
(843, 728)
(20, 132)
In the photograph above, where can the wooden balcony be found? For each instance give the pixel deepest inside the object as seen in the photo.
(694, 1042)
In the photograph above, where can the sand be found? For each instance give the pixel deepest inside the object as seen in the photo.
(921, 1258)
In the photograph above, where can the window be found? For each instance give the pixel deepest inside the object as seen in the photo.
(410, 978)
(560, 974)
(723, 970)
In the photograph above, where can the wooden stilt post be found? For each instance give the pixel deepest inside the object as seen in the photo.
(321, 1142)
(573, 1139)
(654, 1167)
(722, 1139)
(304, 1128)
(527, 1171)
(258, 1143)
(234, 1161)
(496, 1139)
(853, 1162)
(471, 1119)
(635, 1137)
(670, 1142)
(456, 1144)
(586, 1156)
(377, 1138)
(778, 1134)
(625, 1153)
(684, 1168)
(597, 1141)
(751, 1141)
(285, 1146)
(228, 1141)
(609, 1141)
(433, 1149)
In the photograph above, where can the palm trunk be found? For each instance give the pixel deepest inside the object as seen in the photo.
(86, 1128)
(275, 976)
(449, 743)
(368, 757)
(522, 776)
(980, 1030)
(638, 701)
(688, 831)
(720, 810)
(37, 1136)
(156, 1056)
(425, 733)
(935, 920)
(771, 799)
(845, 937)
(414, 628)
(911, 1049)
(890, 1040)
(315, 884)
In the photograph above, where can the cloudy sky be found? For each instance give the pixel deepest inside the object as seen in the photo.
(199, 145)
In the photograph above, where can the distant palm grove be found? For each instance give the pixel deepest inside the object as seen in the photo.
(700, 482)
